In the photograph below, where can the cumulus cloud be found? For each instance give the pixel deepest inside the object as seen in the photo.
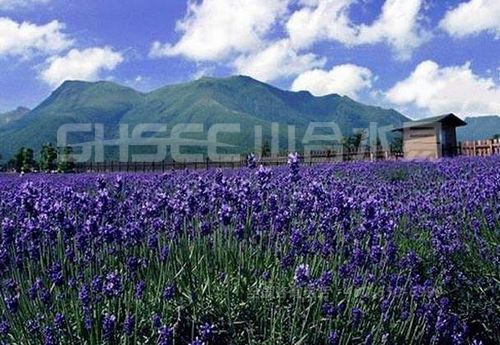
(26, 39)
(320, 20)
(87, 64)
(473, 17)
(345, 79)
(442, 90)
(6, 5)
(214, 29)
(276, 61)
(397, 25)
(242, 33)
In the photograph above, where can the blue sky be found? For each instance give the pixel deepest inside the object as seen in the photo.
(422, 57)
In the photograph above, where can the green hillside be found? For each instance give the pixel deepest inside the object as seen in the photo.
(13, 116)
(236, 99)
(479, 128)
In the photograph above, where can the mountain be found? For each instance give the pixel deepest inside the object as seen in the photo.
(479, 128)
(207, 101)
(13, 115)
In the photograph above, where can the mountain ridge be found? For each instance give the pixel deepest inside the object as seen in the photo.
(479, 128)
(208, 100)
(13, 115)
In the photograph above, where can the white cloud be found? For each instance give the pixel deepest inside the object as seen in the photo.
(319, 20)
(473, 17)
(214, 29)
(397, 25)
(345, 79)
(239, 32)
(6, 5)
(276, 61)
(85, 64)
(442, 90)
(25, 39)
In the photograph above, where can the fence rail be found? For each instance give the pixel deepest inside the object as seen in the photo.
(315, 158)
(480, 148)
(467, 148)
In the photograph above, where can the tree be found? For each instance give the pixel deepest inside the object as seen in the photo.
(29, 160)
(66, 163)
(17, 160)
(48, 157)
(397, 144)
(266, 149)
(353, 143)
(23, 160)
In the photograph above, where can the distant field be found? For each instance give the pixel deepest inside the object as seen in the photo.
(350, 253)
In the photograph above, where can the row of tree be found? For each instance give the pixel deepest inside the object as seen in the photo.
(49, 161)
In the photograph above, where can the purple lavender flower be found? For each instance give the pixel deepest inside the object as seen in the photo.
(56, 274)
(35, 289)
(113, 285)
(132, 263)
(140, 287)
(225, 214)
(84, 295)
(207, 330)
(12, 303)
(329, 309)
(32, 326)
(97, 284)
(4, 326)
(87, 319)
(251, 161)
(164, 254)
(108, 326)
(59, 321)
(325, 281)
(156, 320)
(301, 276)
(129, 325)
(169, 291)
(49, 336)
(294, 164)
(358, 281)
(333, 338)
(197, 341)
(356, 315)
(11, 285)
(165, 335)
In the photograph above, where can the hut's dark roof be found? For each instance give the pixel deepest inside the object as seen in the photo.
(448, 119)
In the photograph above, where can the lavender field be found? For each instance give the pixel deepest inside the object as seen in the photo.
(350, 253)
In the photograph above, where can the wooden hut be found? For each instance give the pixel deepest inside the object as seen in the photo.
(431, 138)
